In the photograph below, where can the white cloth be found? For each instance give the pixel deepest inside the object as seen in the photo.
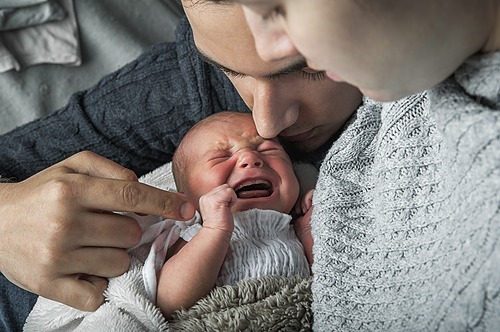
(263, 243)
(130, 298)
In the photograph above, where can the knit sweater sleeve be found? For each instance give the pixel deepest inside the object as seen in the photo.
(135, 116)
(405, 217)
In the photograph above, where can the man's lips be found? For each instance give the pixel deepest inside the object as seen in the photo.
(299, 137)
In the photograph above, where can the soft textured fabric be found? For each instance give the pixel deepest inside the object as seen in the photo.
(111, 35)
(135, 116)
(263, 244)
(406, 219)
(21, 17)
(127, 308)
(271, 303)
(54, 41)
(19, 3)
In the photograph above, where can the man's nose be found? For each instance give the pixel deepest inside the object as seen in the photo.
(274, 108)
(249, 159)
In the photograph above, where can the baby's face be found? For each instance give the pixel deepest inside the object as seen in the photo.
(231, 151)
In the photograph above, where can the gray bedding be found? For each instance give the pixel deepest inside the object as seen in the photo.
(111, 33)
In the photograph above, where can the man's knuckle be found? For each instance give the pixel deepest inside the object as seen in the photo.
(83, 155)
(168, 203)
(49, 257)
(128, 174)
(131, 195)
(122, 262)
(59, 190)
(92, 301)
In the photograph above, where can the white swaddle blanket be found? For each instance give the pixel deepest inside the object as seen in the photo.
(263, 243)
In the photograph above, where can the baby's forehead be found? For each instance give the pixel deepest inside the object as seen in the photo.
(228, 141)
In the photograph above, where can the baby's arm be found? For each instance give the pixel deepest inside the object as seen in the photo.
(302, 224)
(191, 273)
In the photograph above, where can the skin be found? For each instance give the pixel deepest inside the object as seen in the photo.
(55, 240)
(75, 245)
(224, 154)
(288, 99)
(387, 48)
(229, 151)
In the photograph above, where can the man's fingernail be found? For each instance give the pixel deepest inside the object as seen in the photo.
(187, 210)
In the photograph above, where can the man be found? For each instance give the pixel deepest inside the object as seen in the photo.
(58, 238)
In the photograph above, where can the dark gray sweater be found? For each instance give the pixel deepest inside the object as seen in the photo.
(135, 116)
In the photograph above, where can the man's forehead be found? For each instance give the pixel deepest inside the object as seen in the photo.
(223, 39)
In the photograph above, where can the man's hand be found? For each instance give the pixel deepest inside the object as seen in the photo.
(58, 237)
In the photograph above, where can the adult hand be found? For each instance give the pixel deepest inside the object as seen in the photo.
(57, 236)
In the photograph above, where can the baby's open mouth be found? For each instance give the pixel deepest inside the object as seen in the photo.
(254, 189)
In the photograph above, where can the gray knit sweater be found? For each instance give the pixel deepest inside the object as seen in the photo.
(406, 218)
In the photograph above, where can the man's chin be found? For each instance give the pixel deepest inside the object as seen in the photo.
(296, 149)
(307, 151)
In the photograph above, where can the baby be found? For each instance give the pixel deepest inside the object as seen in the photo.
(224, 167)
(245, 188)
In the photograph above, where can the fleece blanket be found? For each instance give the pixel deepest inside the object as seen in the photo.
(267, 303)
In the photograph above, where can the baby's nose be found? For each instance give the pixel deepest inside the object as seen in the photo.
(250, 159)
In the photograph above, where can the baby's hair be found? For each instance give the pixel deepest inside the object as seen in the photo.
(183, 153)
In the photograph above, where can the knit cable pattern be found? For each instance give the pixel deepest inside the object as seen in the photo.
(406, 212)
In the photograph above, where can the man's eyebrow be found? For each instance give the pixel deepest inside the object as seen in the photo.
(292, 68)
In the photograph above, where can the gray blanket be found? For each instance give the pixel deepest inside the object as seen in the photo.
(264, 304)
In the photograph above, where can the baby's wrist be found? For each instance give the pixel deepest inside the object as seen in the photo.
(226, 230)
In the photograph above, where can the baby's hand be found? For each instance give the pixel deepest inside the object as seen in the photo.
(302, 224)
(305, 203)
(215, 208)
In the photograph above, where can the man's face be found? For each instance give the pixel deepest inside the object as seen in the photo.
(288, 99)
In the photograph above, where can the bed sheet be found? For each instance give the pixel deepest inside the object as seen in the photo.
(111, 32)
